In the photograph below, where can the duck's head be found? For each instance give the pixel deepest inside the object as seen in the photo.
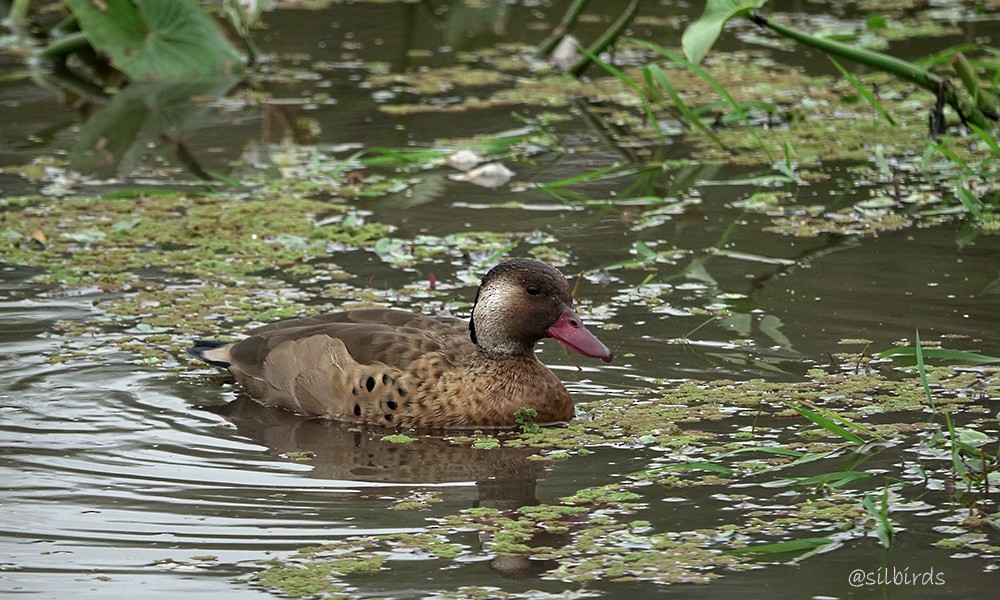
(521, 301)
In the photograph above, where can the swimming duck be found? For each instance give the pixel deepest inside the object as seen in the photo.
(401, 369)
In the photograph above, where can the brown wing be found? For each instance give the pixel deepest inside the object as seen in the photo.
(354, 366)
(392, 337)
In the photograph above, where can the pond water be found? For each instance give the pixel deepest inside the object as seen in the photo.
(123, 478)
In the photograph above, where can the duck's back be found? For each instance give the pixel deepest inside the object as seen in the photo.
(395, 338)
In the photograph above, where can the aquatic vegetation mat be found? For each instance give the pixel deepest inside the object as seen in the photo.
(811, 441)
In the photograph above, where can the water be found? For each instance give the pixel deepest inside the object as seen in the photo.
(121, 479)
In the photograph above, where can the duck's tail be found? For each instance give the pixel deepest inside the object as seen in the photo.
(203, 350)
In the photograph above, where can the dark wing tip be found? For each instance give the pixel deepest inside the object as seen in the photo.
(200, 347)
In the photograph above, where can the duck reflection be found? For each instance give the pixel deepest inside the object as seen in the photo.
(504, 478)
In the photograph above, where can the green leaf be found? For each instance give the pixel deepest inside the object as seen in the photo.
(919, 352)
(827, 424)
(783, 547)
(654, 77)
(988, 138)
(880, 513)
(942, 354)
(645, 252)
(718, 87)
(864, 92)
(700, 36)
(765, 449)
(688, 466)
(971, 437)
(154, 40)
(971, 203)
(875, 21)
(837, 479)
(598, 175)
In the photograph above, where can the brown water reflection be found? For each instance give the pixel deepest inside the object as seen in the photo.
(504, 477)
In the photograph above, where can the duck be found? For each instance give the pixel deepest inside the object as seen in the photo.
(400, 369)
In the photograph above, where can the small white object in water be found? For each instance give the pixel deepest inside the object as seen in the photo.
(566, 54)
(463, 160)
(491, 175)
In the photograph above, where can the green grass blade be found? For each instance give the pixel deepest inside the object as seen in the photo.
(956, 457)
(655, 76)
(688, 466)
(833, 416)
(688, 335)
(922, 370)
(827, 424)
(864, 92)
(784, 547)
(589, 176)
(954, 158)
(805, 458)
(722, 91)
(942, 354)
(971, 203)
(988, 138)
(641, 91)
(618, 74)
(836, 479)
(779, 450)
(884, 62)
(883, 525)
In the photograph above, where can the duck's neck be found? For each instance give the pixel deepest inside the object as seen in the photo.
(487, 334)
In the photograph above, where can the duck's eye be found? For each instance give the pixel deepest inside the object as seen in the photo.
(532, 289)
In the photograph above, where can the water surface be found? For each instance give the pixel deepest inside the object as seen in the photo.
(123, 479)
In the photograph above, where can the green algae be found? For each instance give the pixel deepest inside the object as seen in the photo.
(486, 443)
(214, 239)
(819, 119)
(150, 248)
(313, 579)
(525, 420)
(595, 539)
(418, 500)
(600, 540)
(299, 456)
(431, 544)
(787, 89)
